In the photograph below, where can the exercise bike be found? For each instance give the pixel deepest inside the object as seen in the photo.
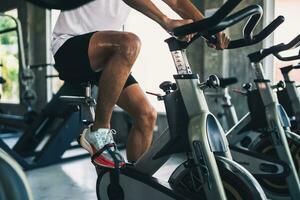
(48, 136)
(262, 141)
(196, 132)
(208, 171)
(13, 181)
(289, 96)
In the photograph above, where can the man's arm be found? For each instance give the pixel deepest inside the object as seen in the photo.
(149, 9)
(185, 9)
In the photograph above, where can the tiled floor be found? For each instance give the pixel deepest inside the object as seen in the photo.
(74, 180)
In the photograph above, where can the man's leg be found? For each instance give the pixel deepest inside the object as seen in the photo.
(134, 101)
(114, 53)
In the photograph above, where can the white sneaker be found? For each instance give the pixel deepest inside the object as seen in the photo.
(100, 144)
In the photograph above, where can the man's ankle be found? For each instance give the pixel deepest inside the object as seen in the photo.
(95, 128)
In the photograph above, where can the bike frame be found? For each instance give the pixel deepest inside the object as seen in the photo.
(202, 147)
(275, 128)
(293, 95)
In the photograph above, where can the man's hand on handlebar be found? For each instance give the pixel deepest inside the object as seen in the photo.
(223, 41)
(170, 24)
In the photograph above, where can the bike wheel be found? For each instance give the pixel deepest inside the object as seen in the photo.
(13, 182)
(276, 185)
(186, 180)
(134, 185)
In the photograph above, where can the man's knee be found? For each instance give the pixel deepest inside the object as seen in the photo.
(105, 45)
(130, 46)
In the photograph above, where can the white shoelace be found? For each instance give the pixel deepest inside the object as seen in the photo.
(100, 138)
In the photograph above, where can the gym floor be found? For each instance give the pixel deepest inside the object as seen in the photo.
(71, 180)
(78, 178)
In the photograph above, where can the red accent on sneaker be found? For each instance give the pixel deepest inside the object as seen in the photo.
(102, 161)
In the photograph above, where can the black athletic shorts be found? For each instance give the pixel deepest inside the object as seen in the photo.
(72, 62)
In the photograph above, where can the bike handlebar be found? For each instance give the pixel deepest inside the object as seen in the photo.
(275, 50)
(287, 69)
(268, 30)
(59, 4)
(255, 13)
(202, 25)
(291, 45)
(207, 28)
(296, 66)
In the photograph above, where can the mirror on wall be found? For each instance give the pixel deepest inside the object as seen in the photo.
(9, 58)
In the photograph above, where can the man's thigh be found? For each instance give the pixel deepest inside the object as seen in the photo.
(74, 59)
(103, 45)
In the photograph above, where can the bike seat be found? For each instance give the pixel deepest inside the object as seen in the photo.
(85, 102)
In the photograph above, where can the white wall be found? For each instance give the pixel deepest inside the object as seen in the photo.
(287, 31)
(154, 64)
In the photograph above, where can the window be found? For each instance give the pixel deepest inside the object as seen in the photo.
(287, 31)
(9, 59)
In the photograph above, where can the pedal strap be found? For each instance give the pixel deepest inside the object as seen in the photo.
(117, 158)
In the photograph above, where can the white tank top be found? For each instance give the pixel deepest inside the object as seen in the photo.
(98, 15)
